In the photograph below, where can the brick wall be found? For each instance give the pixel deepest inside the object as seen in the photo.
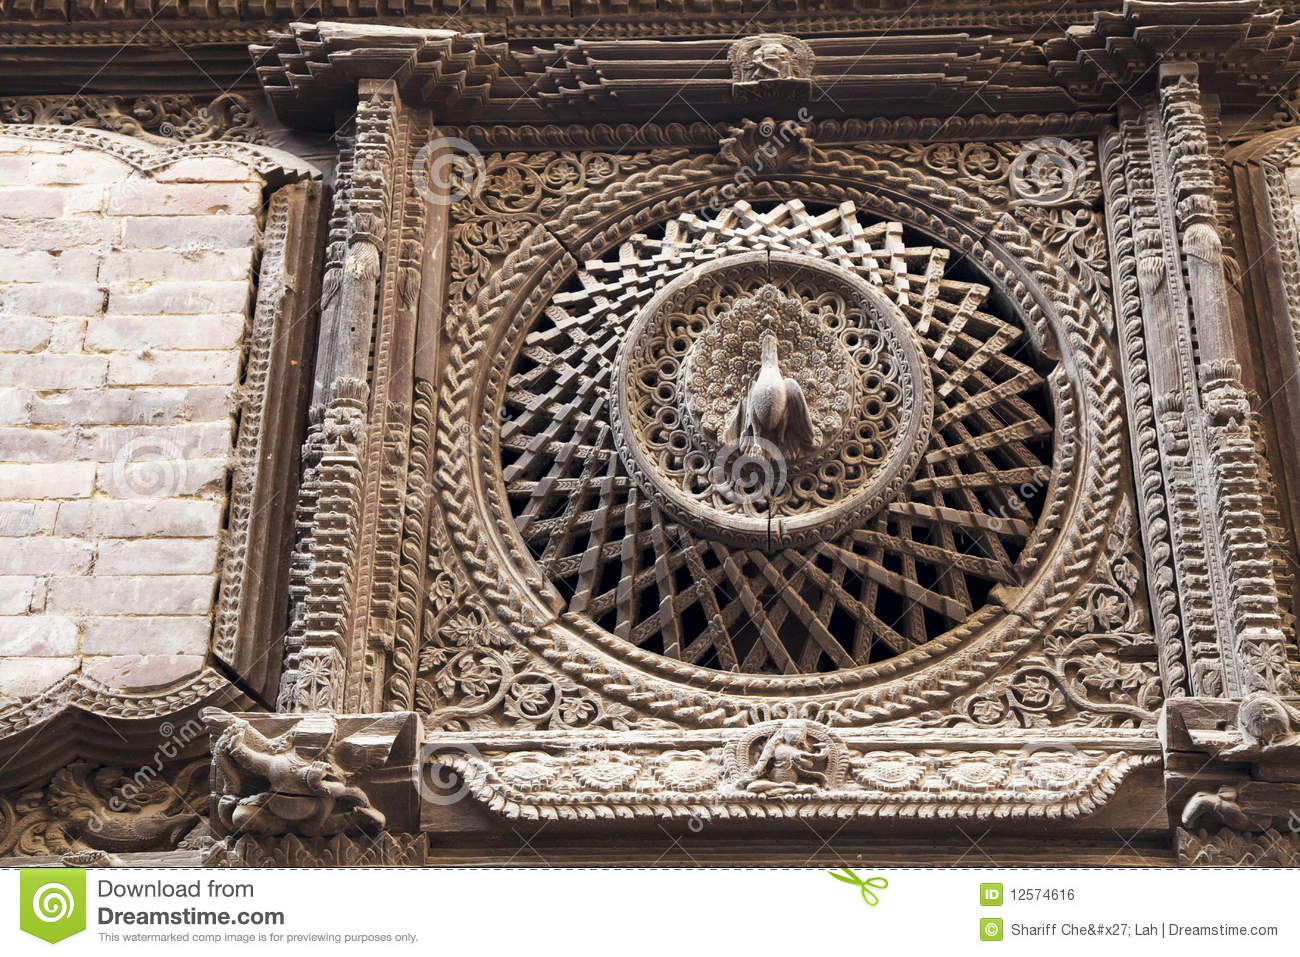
(124, 298)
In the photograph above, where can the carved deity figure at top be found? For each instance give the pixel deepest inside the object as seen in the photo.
(770, 65)
(771, 60)
(773, 413)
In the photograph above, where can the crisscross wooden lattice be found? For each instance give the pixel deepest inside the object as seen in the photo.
(924, 562)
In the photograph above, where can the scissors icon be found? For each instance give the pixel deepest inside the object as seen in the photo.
(865, 885)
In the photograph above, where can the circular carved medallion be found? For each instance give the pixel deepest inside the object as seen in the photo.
(776, 451)
(777, 442)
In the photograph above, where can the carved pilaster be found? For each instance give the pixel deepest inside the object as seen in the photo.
(320, 647)
(336, 254)
(300, 561)
(389, 428)
(378, 140)
(1155, 349)
(423, 291)
(251, 606)
(1256, 644)
(331, 589)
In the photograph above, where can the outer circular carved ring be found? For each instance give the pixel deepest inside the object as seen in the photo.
(897, 687)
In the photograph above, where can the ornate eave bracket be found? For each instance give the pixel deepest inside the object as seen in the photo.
(1247, 51)
(314, 68)
(315, 789)
(1233, 778)
(791, 769)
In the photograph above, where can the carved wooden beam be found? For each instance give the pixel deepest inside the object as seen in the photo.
(786, 768)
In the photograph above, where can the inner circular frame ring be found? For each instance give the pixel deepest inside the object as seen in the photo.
(908, 445)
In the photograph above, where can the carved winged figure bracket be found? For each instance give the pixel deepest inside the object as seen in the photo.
(315, 775)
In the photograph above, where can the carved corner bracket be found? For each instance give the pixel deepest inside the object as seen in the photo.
(316, 788)
(1233, 778)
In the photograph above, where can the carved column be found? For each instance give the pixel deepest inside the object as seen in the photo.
(422, 289)
(1158, 358)
(319, 644)
(1255, 646)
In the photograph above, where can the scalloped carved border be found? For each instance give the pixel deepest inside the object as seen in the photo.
(274, 166)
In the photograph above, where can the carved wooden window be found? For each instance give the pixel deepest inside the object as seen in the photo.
(934, 531)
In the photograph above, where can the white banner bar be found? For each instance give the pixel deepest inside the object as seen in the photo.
(632, 912)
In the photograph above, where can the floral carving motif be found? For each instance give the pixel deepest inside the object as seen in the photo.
(162, 120)
(689, 770)
(472, 675)
(516, 192)
(1096, 667)
(1049, 184)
